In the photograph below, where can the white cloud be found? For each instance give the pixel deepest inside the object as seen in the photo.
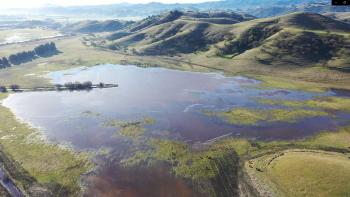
(39, 3)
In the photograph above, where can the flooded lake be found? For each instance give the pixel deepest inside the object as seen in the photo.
(174, 99)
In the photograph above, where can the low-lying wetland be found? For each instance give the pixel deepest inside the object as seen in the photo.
(192, 131)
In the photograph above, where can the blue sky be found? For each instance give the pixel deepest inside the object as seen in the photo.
(40, 3)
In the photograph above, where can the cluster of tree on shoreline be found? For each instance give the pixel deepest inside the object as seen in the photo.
(87, 85)
(67, 86)
(13, 87)
(4, 62)
(44, 50)
(75, 86)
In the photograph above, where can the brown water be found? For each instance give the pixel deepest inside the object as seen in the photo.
(156, 181)
(175, 99)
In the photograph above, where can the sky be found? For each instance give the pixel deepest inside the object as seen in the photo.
(40, 3)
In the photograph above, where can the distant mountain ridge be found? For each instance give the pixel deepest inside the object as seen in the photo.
(315, 7)
(261, 8)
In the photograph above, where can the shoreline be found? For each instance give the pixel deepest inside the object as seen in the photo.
(23, 162)
(8, 184)
(50, 89)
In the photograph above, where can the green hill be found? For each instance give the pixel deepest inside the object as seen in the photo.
(301, 39)
(177, 31)
(216, 17)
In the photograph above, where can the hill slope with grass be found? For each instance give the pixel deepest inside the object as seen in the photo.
(298, 39)
(93, 26)
(176, 31)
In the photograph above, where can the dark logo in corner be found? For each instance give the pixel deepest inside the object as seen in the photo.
(341, 2)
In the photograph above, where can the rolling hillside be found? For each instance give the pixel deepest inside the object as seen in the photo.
(177, 31)
(93, 26)
(301, 39)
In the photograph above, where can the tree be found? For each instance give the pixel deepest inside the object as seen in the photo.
(14, 87)
(69, 85)
(22, 57)
(45, 50)
(4, 63)
(58, 86)
(3, 89)
(78, 86)
(87, 85)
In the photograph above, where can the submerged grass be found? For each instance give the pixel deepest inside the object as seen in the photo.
(212, 167)
(131, 129)
(54, 167)
(244, 116)
(339, 139)
(328, 103)
(212, 164)
(283, 83)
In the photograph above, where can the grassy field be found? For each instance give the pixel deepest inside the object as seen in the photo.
(316, 166)
(31, 161)
(20, 35)
(303, 173)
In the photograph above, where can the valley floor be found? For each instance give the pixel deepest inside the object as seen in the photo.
(75, 54)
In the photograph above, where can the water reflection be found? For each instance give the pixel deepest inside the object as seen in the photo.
(175, 99)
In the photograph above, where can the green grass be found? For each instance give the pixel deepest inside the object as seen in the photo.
(339, 139)
(205, 168)
(245, 116)
(312, 172)
(196, 165)
(303, 173)
(48, 164)
(328, 103)
(283, 83)
(130, 129)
